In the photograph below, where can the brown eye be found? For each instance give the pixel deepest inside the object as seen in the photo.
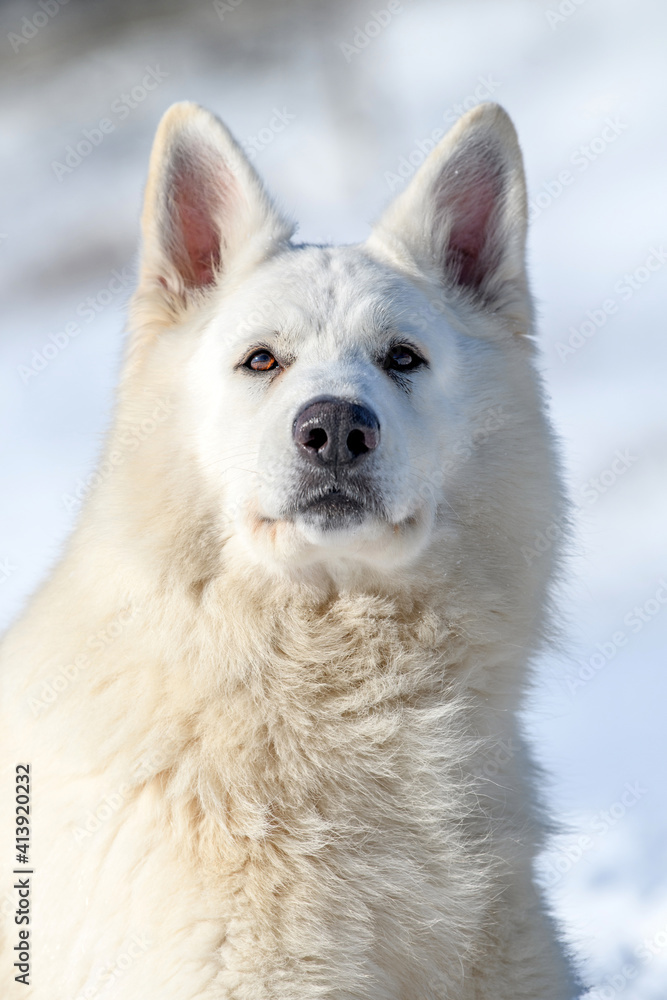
(261, 361)
(402, 359)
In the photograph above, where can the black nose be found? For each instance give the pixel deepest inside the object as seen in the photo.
(335, 432)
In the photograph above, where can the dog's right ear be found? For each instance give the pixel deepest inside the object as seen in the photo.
(205, 215)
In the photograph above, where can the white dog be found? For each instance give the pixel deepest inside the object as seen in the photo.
(265, 709)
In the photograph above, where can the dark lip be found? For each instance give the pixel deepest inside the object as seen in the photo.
(334, 502)
(335, 507)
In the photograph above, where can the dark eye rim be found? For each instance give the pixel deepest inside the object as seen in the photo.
(260, 349)
(418, 360)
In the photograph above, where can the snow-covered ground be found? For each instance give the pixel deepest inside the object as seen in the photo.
(586, 83)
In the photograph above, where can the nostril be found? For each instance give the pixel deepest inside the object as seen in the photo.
(356, 443)
(316, 439)
(335, 432)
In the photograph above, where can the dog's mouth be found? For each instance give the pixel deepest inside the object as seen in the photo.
(336, 507)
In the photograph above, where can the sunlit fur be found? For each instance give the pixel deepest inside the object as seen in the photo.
(291, 765)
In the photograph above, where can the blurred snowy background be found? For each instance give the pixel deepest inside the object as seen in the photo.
(338, 101)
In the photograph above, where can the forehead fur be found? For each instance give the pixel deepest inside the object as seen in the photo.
(330, 297)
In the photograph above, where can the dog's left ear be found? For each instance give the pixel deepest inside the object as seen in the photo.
(205, 210)
(462, 219)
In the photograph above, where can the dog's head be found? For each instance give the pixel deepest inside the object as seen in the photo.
(341, 403)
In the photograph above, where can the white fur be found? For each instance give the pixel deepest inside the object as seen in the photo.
(303, 743)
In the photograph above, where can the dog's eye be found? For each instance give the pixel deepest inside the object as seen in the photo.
(402, 359)
(261, 361)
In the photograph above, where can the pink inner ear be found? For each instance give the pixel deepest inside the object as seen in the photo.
(199, 242)
(197, 196)
(469, 195)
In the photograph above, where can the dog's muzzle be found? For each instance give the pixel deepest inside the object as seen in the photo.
(335, 439)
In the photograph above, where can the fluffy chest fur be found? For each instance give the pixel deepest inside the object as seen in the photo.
(278, 786)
